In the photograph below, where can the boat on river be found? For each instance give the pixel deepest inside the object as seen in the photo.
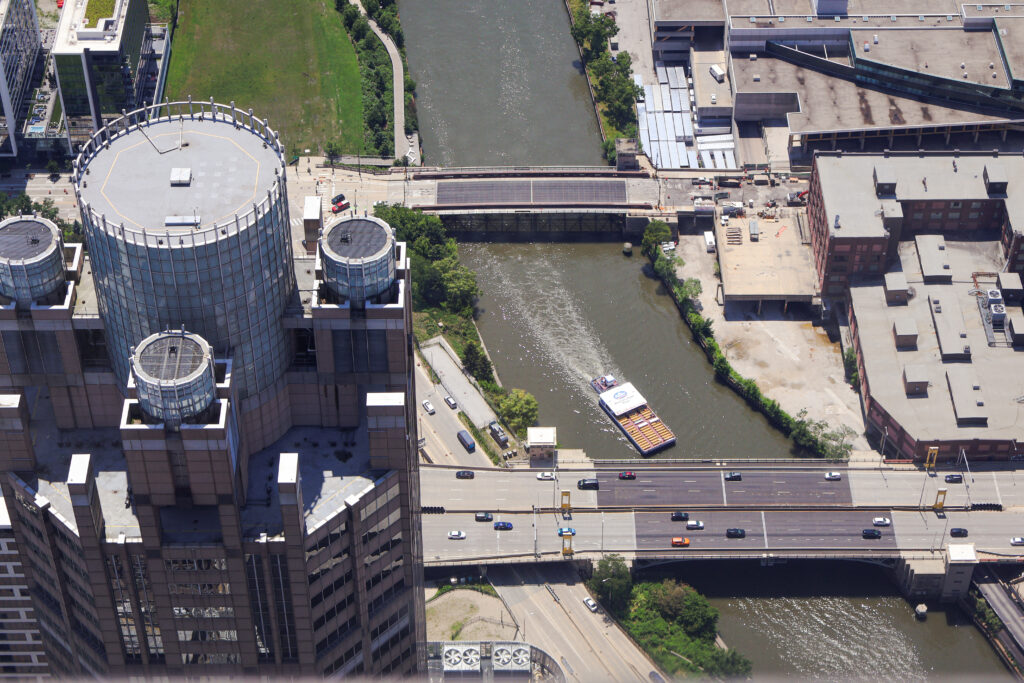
(629, 410)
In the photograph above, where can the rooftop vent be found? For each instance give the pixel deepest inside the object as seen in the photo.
(181, 176)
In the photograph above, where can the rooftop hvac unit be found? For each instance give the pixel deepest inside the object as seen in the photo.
(994, 297)
(998, 313)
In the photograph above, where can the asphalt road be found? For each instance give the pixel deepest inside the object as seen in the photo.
(440, 429)
(494, 489)
(547, 603)
(709, 487)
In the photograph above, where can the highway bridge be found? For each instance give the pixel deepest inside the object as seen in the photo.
(786, 512)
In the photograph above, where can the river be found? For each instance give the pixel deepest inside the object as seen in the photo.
(499, 83)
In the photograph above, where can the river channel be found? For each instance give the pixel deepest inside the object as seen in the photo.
(499, 83)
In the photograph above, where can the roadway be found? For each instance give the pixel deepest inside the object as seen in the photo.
(704, 487)
(439, 430)
(547, 603)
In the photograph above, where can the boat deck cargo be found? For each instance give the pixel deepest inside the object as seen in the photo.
(629, 410)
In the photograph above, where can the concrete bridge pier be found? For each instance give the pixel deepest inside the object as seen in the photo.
(943, 575)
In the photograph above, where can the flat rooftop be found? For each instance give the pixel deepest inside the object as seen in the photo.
(357, 238)
(24, 239)
(828, 104)
(73, 36)
(704, 84)
(848, 188)
(1011, 37)
(775, 267)
(333, 466)
(997, 371)
(706, 12)
(939, 52)
(230, 169)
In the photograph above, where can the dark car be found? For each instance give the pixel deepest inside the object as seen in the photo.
(502, 526)
(680, 516)
(627, 475)
(958, 532)
(954, 478)
(871, 533)
(464, 474)
(484, 517)
(338, 199)
(733, 476)
(735, 533)
(338, 208)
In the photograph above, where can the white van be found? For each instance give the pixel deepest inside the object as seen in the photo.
(709, 241)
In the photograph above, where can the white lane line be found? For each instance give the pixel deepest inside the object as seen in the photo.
(689, 481)
(649, 490)
(999, 497)
(764, 527)
(725, 501)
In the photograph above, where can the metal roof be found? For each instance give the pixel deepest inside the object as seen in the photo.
(171, 356)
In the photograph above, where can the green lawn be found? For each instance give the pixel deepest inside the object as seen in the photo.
(289, 60)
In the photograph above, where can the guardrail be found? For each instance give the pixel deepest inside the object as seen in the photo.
(706, 507)
(675, 554)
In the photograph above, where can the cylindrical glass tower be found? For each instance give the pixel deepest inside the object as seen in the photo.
(358, 259)
(186, 214)
(174, 376)
(31, 259)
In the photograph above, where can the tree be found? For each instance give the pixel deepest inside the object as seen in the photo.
(21, 205)
(592, 33)
(53, 169)
(850, 365)
(655, 233)
(727, 664)
(611, 582)
(519, 410)
(47, 209)
(476, 362)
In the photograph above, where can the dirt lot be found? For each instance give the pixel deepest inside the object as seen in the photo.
(793, 361)
(468, 615)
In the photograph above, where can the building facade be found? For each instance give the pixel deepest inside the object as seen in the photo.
(220, 477)
(19, 50)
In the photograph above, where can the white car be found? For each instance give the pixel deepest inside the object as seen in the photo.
(833, 476)
(1017, 540)
(456, 535)
(881, 521)
(429, 407)
(695, 525)
(546, 476)
(591, 605)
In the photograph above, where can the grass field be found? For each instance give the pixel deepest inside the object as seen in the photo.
(289, 60)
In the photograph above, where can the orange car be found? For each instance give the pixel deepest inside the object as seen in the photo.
(680, 542)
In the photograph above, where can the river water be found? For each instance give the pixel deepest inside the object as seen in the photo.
(499, 83)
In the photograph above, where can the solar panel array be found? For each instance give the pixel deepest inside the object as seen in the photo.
(537, 192)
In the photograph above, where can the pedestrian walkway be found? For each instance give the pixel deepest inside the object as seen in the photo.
(398, 79)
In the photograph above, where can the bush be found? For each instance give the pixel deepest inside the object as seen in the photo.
(519, 410)
(655, 233)
(850, 366)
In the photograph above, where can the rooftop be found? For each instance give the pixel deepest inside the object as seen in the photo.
(939, 52)
(25, 238)
(952, 408)
(230, 169)
(357, 238)
(704, 84)
(707, 12)
(1011, 37)
(171, 355)
(75, 33)
(778, 266)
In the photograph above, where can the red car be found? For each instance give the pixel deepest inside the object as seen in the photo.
(338, 208)
(627, 475)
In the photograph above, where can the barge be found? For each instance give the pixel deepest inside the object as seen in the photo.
(629, 410)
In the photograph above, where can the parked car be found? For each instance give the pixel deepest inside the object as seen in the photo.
(680, 541)
(502, 526)
(958, 532)
(429, 407)
(337, 199)
(591, 605)
(546, 476)
(566, 531)
(451, 402)
(881, 521)
(678, 516)
(456, 535)
(695, 525)
(733, 476)
(833, 476)
(465, 474)
(735, 532)
(871, 533)
(627, 475)
(484, 517)
(954, 478)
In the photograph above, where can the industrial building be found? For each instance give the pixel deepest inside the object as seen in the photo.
(209, 443)
(19, 50)
(795, 76)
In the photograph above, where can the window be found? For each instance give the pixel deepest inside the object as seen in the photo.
(918, 215)
(955, 205)
(936, 215)
(954, 215)
(973, 214)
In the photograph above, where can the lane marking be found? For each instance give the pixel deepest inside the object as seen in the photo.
(764, 527)
(689, 481)
(999, 497)
(725, 501)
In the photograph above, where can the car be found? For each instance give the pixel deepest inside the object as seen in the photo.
(680, 541)
(465, 474)
(1017, 540)
(958, 532)
(725, 221)
(735, 532)
(694, 525)
(338, 199)
(678, 516)
(502, 526)
(546, 476)
(833, 476)
(456, 535)
(429, 407)
(484, 517)
(871, 533)
(656, 677)
(566, 531)
(338, 208)
(733, 476)
(881, 521)
(954, 478)
(451, 402)
(627, 475)
(591, 605)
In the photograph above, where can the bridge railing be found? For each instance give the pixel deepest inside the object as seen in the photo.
(665, 554)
